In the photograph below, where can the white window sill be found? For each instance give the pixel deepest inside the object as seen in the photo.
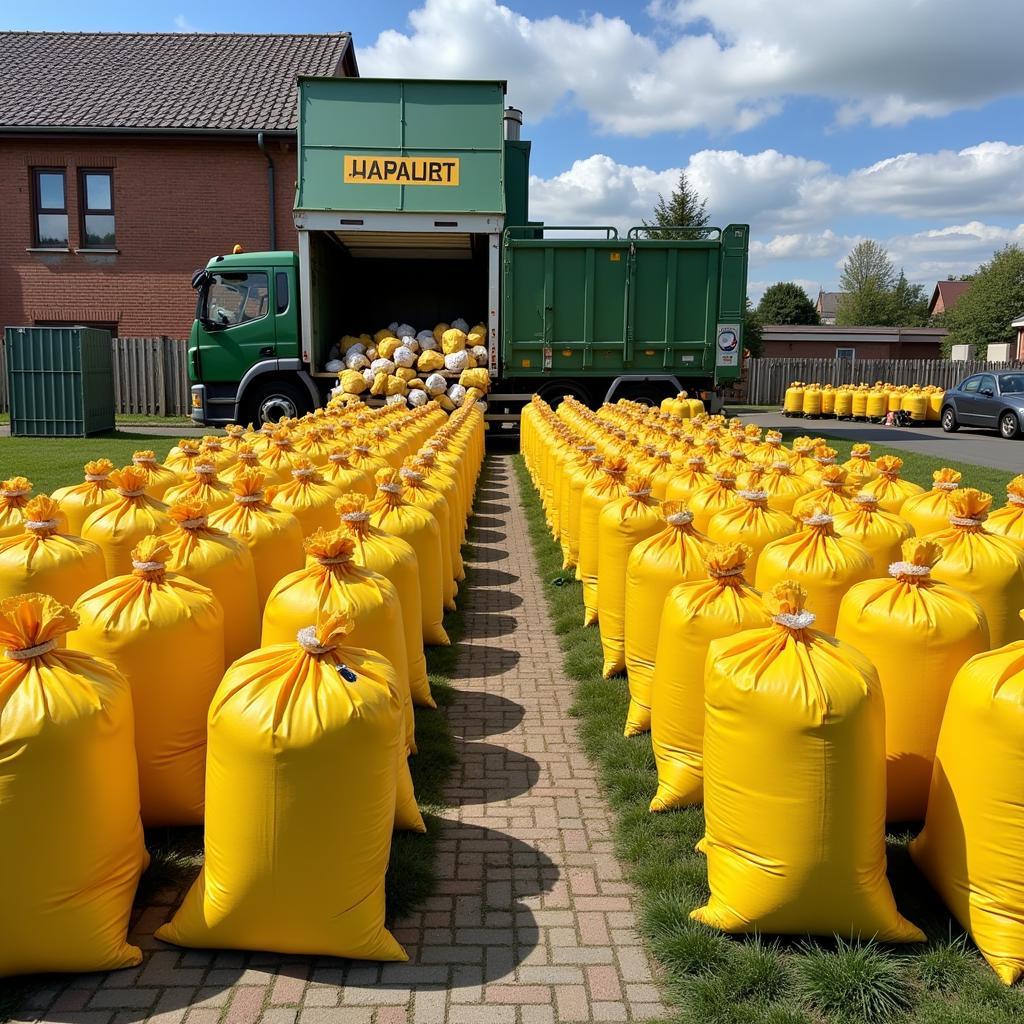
(46, 248)
(101, 252)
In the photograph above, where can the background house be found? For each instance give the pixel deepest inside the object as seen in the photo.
(826, 305)
(945, 295)
(830, 342)
(127, 160)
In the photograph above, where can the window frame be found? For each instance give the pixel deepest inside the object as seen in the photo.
(84, 210)
(205, 299)
(973, 391)
(38, 210)
(995, 386)
(846, 348)
(281, 276)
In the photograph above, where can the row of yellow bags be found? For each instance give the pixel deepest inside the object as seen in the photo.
(862, 401)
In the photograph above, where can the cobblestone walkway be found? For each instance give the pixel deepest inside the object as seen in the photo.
(532, 922)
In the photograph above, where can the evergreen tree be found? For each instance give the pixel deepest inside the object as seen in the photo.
(995, 298)
(786, 303)
(685, 206)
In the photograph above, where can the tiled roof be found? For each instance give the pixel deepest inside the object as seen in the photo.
(949, 292)
(163, 80)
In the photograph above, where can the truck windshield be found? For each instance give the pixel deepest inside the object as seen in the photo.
(232, 299)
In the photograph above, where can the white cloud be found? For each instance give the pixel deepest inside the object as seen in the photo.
(182, 24)
(724, 64)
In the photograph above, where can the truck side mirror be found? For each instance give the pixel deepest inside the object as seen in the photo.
(199, 278)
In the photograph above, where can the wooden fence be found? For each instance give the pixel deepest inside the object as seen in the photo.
(766, 380)
(150, 377)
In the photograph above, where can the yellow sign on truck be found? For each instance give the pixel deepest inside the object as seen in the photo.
(401, 170)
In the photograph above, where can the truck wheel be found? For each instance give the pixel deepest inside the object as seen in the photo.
(553, 393)
(648, 393)
(272, 400)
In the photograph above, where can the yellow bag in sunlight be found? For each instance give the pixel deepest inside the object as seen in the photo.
(304, 747)
(888, 487)
(1008, 521)
(79, 501)
(452, 341)
(158, 478)
(972, 845)
(624, 523)
(833, 494)
(929, 511)
(882, 533)
(182, 458)
(273, 537)
(14, 496)
(353, 382)
(794, 784)
(335, 583)
(826, 564)
(673, 555)
(429, 361)
(691, 478)
(309, 497)
(203, 484)
(217, 560)
(711, 499)
(988, 567)
(476, 378)
(751, 521)
(918, 633)
(860, 463)
(166, 636)
(69, 799)
(44, 561)
(606, 487)
(340, 472)
(419, 493)
(695, 613)
(121, 524)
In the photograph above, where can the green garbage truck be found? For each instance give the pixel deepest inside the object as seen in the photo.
(412, 206)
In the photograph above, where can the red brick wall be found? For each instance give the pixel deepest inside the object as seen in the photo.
(176, 204)
(863, 350)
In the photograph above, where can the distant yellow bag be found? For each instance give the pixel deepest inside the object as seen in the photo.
(419, 493)
(686, 482)
(453, 340)
(387, 347)
(309, 497)
(824, 458)
(274, 537)
(695, 613)
(249, 460)
(14, 496)
(314, 446)
(380, 384)
(121, 524)
(340, 473)
(280, 454)
(79, 501)
(214, 451)
(890, 490)
(44, 561)
(394, 386)
(1008, 521)
(304, 746)
(477, 378)
(711, 499)
(987, 566)
(166, 636)
(69, 799)
(860, 463)
(201, 484)
(929, 511)
(783, 485)
(972, 845)
(918, 633)
(334, 582)
(833, 494)
(429, 361)
(159, 477)
(882, 533)
(353, 382)
(823, 562)
(794, 784)
(671, 556)
(750, 521)
(215, 559)
(438, 476)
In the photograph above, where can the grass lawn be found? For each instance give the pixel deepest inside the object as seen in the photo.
(715, 979)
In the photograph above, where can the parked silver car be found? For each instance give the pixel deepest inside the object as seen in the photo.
(994, 400)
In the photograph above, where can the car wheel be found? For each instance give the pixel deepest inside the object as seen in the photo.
(1009, 425)
(270, 401)
(949, 423)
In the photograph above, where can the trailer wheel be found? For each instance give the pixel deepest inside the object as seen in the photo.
(554, 392)
(272, 400)
(649, 393)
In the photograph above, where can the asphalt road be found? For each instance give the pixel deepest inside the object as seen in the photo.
(980, 447)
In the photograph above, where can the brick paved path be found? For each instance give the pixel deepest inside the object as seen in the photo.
(531, 924)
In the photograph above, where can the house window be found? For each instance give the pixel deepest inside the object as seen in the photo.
(848, 354)
(97, 202)
(50, 208)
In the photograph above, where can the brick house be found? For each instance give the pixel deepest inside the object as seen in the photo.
(128, 160)
(945, 295)
(830, 342)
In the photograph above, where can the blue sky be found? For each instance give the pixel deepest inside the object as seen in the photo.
(820, 124)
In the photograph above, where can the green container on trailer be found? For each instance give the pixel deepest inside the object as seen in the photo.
(60, 381)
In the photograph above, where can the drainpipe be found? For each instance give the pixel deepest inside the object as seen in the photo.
(270, 190)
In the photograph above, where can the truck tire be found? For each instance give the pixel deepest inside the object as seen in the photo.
(267, 401)
(554, 391)
(645, 392)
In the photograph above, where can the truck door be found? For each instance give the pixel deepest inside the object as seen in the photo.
(235, 326)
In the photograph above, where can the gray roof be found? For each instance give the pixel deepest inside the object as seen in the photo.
(828, 302)
(152, 81)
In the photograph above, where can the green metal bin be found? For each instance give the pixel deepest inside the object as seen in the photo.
(60, 381)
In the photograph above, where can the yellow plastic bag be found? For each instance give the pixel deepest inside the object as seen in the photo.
(890, 490)
(826, 564)
(794, 784)
(314, 446)
(222, 563)
(918, 633)
(121, 524)
(929, 511)
(453, 340)
(248, 461)
(972, 845)
(624, 523)
(273, 537)
(280, 454)
(394, 385)
(304, 747)
(396, 560)
(158, 477)
(690, 479)
(1008, 521)
(79, 501)
(751, 521)
(69, 799)
(695, 613)
(387, 347)
(833, 494)
(42, 560)
(182, 458)
(309, 497)
(882, 533)
(860, 463)
(214, 451)
(419, 493)
(477, 378)
(783, 485)
(340, 473)
(334, 582)
(202, 484)
(353, 382)
(166, 636)
(14, 495)
(430, 361)
(671, 556)
(988, 567)
(438, 476)
(711, 499)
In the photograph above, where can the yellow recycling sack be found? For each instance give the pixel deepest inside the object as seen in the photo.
(304, 747)
(419, 493)
(794, 784)
(396, 560)
(158, 477)
(826, 564)
(440, 476)
(833, 494)
(352, 382)
(314, 446)
(972, 845)
(890, 490)
(215, 452)
(334, 582)
(44, 561)
(476, 378)
(624, 523)
(202, 484)
(783, 486)
(309, 497)
(673, 555)
(987, 566)
(824, 458)
(751, 521)
(273, 537)
(584, 469)
(280, 454)
(121, 524)
(860, 463)
(181, 459)
(692, 477)
(606, 487)
(222, 563)
(929, 511)
(1008, 521)
(695, 613)
(69, 799)
(248, 460)
(882, 533)
(918, 632)
(166, 636)
(14, 495)
(715, 497)
(452, 341)
(79, 501)
(340, 473)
